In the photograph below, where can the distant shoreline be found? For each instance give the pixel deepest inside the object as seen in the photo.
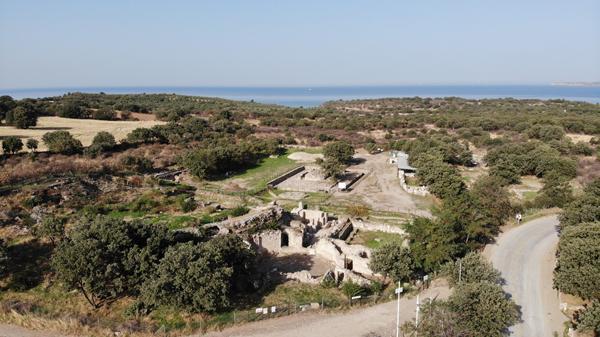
(315, 96)
(577, 84)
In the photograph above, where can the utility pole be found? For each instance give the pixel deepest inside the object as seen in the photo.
(398, 291)
(418, 309)
(459, 270)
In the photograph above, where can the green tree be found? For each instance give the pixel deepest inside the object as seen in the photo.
(469, 269)
(6, 104)
(12, 145)
(432, 243)
(52, 228)
(22, 117)
(483, 309)
(32, 144)
(102, 142)
(62, 142)
(200, 277)
(493, 199)
(3, 258)
(557, 191)
(586, 208)
(578, 263)
(339, 151)
(106, 258)
(72, 109)
(588, 319)
(393, 260)
(104, 113)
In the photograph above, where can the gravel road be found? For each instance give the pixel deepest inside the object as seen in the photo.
(378, 320)
(525, 257)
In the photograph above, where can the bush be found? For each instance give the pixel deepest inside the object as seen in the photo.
(137, 164)
(351, 289)
(187, 204)
(62, 142)
(12, 145)
(102, 142)
(107, 114)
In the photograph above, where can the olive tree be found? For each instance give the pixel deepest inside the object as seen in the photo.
(393, 260)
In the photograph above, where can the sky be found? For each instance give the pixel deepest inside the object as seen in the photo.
(45, 44)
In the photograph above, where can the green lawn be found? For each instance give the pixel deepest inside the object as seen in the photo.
(269, 168)
(374, 239)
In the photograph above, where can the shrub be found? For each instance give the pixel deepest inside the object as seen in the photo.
(187, 204)
(62, 142)
(351, 289)
(137, 164)
(102, 142)
(588, 319)
(104, 114)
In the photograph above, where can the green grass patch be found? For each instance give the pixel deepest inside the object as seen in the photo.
(374, 239)
(299, 293)
(529, 195)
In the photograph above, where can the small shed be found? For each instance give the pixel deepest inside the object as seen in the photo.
(400, 158)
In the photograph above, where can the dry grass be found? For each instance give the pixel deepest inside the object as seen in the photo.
(82, 129)
(575, 137)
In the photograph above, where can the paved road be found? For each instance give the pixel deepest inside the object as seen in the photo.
(525, 257)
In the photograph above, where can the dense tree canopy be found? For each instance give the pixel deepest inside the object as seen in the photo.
(105, 258)
(200, 277)
(583, 209)
(578, 264)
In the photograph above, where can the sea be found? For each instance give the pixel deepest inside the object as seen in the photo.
(315, 96)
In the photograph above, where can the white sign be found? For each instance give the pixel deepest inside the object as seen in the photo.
(399, 290)
(426, 277)
(356, 297)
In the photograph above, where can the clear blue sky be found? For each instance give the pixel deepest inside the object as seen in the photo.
(295, 43)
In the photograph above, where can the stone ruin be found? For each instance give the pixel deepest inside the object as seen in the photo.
(315, 233)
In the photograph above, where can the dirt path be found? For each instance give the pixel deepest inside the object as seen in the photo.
(379, 320)
(17, 331)
(525, 257)
(381, 188)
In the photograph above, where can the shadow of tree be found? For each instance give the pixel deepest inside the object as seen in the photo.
(29, 262)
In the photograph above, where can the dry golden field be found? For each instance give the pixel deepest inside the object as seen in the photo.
(82, 129)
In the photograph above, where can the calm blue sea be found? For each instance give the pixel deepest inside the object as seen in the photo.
(309, 97)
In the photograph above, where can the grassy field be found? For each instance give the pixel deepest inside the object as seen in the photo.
(82, 129)
(374, 239)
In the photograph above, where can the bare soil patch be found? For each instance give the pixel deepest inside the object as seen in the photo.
(305, 157)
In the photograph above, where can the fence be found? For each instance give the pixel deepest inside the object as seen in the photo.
(284, 309)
